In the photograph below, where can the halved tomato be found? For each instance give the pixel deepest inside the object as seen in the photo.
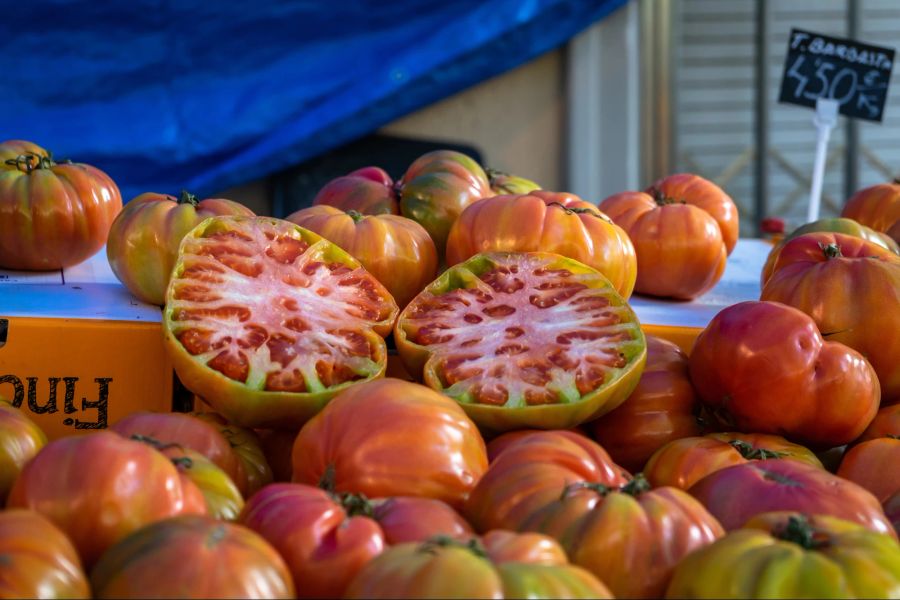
(528, 339)
(267, 321)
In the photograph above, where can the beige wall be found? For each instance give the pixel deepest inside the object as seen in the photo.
(516, 120)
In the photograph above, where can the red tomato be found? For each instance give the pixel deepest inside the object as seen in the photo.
(851, 288)
(546, 222)
(192, 557)
(100, 487)
(144, 238)
(52, 215)
(392, 438)
(222, 497)
(369, 190)
(38, 560)
(683, 229)
(662, 408)
(326, 539)
(875, 465)
(528, 339)
(737, 493)
(886, 423)
(877, 206)
(396, 250)
(764, 367)
(682, 463)
(20, 440)
(267, 321)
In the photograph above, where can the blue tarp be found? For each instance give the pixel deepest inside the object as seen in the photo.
(202, 95)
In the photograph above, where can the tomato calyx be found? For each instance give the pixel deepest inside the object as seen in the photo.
(180, 462)
(355, 215)
(831, 250)
(661, 199)
(188, 198)
(799, 531)
(751, 453)
(433, 544)
(578, 211)
(30, 161)
(355, 505)
(637, 486)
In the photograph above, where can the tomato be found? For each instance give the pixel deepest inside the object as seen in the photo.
(504, 566)
(504, 183)
(277, 445)
(834, 225)
(20, 440)
(547, 222)
(192, 557)
(523, 340)
(327, 538)
(38, 560)
(144, 238)
(437, 187)
(737, 493)
(392, 438)
(877, 206)
(100, 487)
(396, 250)
(369, 190)
(893, 232)
(851, 288)
(682, 463)
(792, 555)
(267, 321)
(683, 229)
(52, 215)
(873, 464)
(248, 447)
(662, 408)
(886, 423)
(892, 511)
(764, 367)
(222, 497)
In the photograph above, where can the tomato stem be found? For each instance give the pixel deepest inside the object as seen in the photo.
(831, 250)
(636, 486)
(30, 161)
(188, 198)
(328, 480)
(799, 531)
(444, 541)
(578, 210)
(661, 199)
(356, 505)
(355, 215)
(751, 453)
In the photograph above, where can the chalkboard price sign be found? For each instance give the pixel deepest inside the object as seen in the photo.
(853, 73)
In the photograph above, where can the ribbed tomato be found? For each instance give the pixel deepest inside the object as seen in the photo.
(877, 206)
(247, 446)
(851, 288)
(144, 238)
(506, 183)
(392, 438)
(369, 190)
(523, 340)
(222, 497)
(20, 440)
(662, 408)
(267, 321)
(52, 215)
(38, 560)
(437, 187)
(683, 229)
(542, 221)
(737, 493)
(100, 487)
(683, 462)
(875, 465)
(396, 250)
(326, 538)
(192, 557)
(505, 565)
(764, 367)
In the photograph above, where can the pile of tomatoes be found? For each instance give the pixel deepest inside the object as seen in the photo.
(436, 387)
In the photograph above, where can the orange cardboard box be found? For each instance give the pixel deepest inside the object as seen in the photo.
(77, 351)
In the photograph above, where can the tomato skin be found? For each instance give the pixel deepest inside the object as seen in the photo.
(220, 494)
(144, 238)
(100, 487)
(885, 423)
(20, 440)
(697, 191)
(662, 408)
(851, 288)
(877, 206)
(845, 561)
(247, 446)
(325, 539)
(39, 561)
(52, 215)
(390, 437)
(892, 510)
(873, 465)
(735, 494)
(277, 445)
(683, 462)
(817, 393)
(396, 250)
(369, 190)
(192, 557)
(436, 188)
(545, 221)
(505, 183)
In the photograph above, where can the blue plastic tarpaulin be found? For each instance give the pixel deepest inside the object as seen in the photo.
(172, 94)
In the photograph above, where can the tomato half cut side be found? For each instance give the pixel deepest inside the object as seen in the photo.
(524, 339)
(267, 321)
